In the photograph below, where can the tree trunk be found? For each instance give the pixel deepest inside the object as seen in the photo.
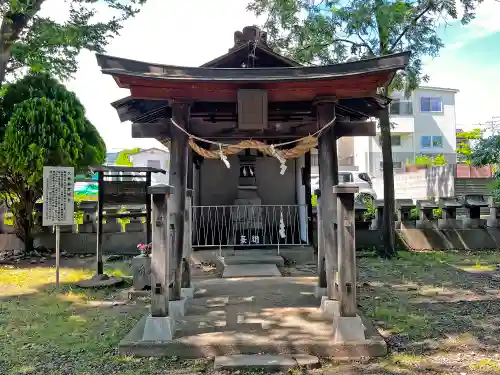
(24, 220)
(388, 248)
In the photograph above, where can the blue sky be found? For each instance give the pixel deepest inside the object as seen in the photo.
(161, 33)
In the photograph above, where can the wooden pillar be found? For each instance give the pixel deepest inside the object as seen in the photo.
(178, 179)
(149, 230)
(100, 206)
(346, 249)
(307, 185)
(321, 269)
(160, 251)
(328, 177)
(186, 256)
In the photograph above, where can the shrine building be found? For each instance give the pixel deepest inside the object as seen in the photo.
(250, 98)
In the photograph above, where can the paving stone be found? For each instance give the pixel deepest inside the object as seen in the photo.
(269, 362)
(251, 270)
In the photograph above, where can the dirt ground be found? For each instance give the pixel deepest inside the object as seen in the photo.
(439, 313)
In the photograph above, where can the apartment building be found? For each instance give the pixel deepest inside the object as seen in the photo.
(424, 124)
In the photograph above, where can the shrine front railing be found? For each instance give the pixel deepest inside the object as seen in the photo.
(249, 226)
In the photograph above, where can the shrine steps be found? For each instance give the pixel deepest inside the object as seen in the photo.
(251, 264)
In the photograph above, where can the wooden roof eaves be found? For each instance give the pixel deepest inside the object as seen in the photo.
(232, 52)
(388, 63)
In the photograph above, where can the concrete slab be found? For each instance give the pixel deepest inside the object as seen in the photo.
(251, 270)
(100, 281)
(276, 316)
(252, 258)
(267, 362)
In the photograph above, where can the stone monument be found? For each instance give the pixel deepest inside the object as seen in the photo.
(246, 215)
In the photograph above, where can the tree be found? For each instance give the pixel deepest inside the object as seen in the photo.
(464, 148)
(331, 31)
(486, 151)
(46, 126)
(40, 43)
(123, 157)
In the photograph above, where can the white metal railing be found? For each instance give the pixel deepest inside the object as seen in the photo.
(249, 225)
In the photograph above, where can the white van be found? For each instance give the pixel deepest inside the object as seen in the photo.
(360, 179)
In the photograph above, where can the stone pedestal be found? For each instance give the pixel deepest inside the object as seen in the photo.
(247, 216)
(348, 329)
(426, 214)
(493, 220)
(158, 328)
(449, 224)
(330, 308)
(177, 309)
(449, 209)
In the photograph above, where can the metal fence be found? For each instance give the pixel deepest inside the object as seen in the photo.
(249, 226)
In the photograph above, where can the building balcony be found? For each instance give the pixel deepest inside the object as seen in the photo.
(401, 124)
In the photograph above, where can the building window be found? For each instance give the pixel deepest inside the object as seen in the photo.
(395, 140)
(431, 104)
(435, 141)
(154, 164)
(395, 165)
(400, 107)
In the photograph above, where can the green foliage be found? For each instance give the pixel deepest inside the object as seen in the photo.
(43, 124)
(42, 44)
(428, 161)
(39, 134)
(464, 148)
(123, 157)
(486, 151)
(331, 31)
(42, 85)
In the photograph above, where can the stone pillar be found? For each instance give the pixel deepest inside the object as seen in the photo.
(328, 177)
(89, 222)
(379, 215)
(425, 214)
(178, 179)
(404, 207)
(321, 287)
(449, 209)
(135, 224)
(348, 325)
(493, 221)
(473, 204)
(111, 225)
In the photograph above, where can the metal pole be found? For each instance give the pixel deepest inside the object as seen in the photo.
(58, 253)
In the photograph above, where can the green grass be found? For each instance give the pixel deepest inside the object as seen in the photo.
(71, 331)
(417, 297)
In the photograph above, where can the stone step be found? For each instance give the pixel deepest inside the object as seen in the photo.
(268, 362)
(251, 270)
(257, 258)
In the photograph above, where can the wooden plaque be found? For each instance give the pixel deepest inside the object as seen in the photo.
(252, 109)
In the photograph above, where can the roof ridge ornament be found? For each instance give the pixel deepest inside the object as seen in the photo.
(249, 34)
